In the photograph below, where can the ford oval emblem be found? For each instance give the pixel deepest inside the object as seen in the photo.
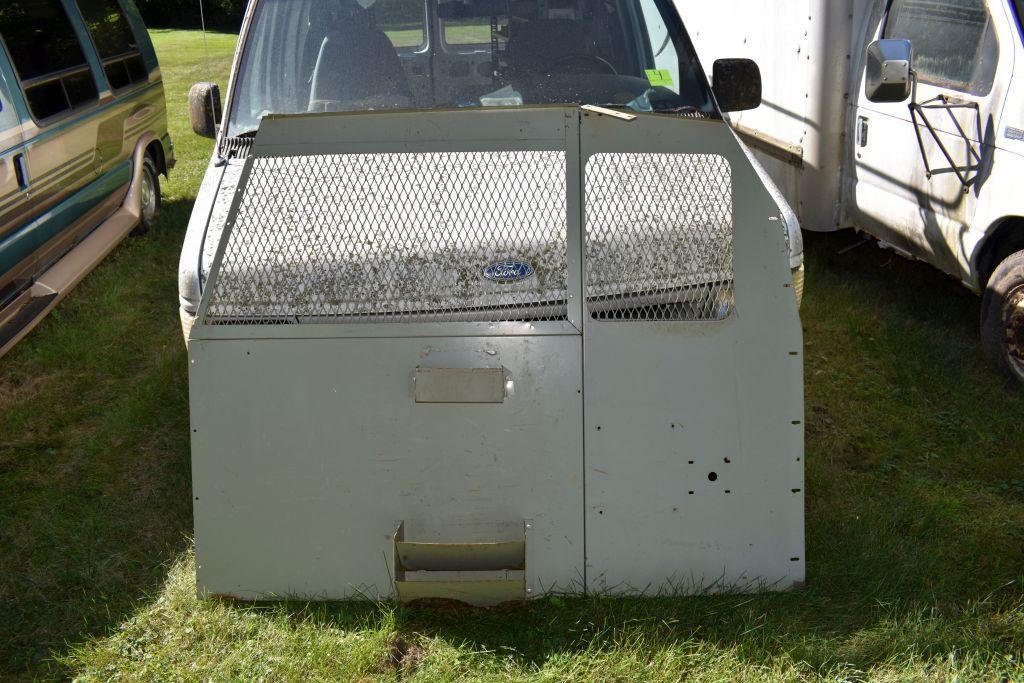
(508, 271)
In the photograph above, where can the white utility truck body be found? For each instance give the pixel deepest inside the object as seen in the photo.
(936, 176)
(482, 339)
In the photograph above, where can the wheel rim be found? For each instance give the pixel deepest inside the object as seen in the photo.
(1013, 326)
(148, 196)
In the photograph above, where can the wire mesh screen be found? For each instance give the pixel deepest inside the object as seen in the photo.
(411, 237)
(659, 237)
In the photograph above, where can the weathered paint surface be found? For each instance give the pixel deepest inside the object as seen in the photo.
(671, 451)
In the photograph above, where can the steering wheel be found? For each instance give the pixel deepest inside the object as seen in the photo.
(603, 63)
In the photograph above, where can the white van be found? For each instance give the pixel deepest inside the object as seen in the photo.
(903, 119)
(484, 300)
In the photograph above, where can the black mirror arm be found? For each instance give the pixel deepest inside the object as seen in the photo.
(919, 118)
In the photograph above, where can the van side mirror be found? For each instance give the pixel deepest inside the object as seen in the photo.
(204, 109)
(889, 74)
(737, 84)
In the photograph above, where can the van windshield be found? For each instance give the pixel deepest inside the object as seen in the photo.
(360, 55)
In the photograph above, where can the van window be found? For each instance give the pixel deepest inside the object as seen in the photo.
(8, 114)
(472, 30)
(347, 55)
(404, 22)
(115, 42)
(954, 42)
(47, 56)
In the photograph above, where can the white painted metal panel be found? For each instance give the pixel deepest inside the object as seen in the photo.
(312, 457)
(307, 452)
(694, 435)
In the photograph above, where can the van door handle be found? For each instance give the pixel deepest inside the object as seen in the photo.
(21, 171)
(862, 131)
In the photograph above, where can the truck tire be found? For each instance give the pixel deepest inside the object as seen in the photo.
(1002, 317)
(149, 196)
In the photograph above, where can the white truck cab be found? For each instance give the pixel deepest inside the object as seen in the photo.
(903, 119)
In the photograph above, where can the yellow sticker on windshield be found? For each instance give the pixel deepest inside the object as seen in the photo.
(659, 77)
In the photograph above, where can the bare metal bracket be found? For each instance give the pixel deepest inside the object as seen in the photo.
(967, 175)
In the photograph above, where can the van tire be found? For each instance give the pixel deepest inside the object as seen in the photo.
(1002, 317)
(149, 196)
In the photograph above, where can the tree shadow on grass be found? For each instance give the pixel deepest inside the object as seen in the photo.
(915, 553)
(904, 561)
(884, 586)
(94, 470)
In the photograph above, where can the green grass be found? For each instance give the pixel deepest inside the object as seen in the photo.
(915, 504)
(404, 37)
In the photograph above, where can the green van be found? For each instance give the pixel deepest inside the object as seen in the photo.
(83, 140)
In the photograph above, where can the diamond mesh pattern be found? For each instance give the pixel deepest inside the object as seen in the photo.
(396, 238)
(659, 237)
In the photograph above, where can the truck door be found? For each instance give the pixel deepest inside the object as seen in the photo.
(921, 167)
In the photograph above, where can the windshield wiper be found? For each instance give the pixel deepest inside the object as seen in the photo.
(684, 109)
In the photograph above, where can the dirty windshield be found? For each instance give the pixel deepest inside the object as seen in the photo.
(349, 55)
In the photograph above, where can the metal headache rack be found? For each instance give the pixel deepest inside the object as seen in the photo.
(396, 237)
(493, 354)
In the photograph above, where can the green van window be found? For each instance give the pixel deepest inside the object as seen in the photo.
(115, 42)
(46, 54)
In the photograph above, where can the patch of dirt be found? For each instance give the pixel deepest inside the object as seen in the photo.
(402, 657)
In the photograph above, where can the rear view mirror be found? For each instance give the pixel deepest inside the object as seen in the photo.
(889, 70)
(204, 109)
(737, 84)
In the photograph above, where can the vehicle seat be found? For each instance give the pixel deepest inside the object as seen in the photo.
(537, 46)
(357, 67)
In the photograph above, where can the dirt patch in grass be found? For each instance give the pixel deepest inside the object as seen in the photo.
(402, 658)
